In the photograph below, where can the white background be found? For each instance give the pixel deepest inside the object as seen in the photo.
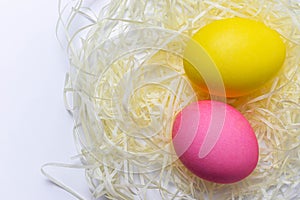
(35, 127)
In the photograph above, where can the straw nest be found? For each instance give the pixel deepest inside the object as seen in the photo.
(127, 83)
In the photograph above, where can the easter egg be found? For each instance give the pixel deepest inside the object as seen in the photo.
(246, 52)
(215, 142)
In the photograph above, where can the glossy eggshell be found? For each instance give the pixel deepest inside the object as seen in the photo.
(235, 153)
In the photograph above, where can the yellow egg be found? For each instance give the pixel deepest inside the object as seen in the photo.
(247, 54)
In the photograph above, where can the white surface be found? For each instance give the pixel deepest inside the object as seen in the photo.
(35, 128)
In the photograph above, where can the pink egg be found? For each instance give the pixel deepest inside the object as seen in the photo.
(215, 142)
